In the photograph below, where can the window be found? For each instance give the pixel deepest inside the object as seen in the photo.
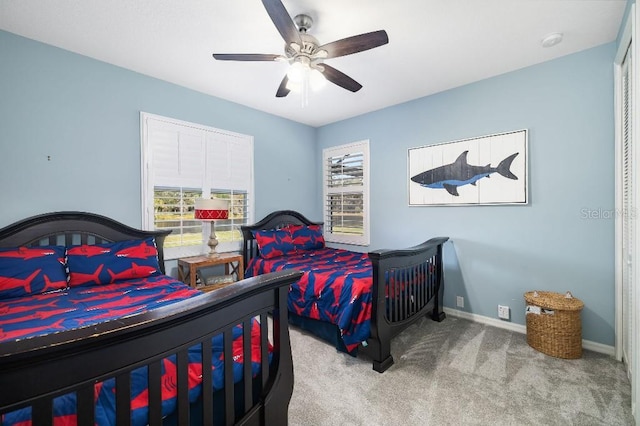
(184, 161)
(346, 193)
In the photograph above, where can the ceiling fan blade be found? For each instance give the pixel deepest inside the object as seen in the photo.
(340, 78)
(282, 21)
(355, 44)
(282, 89)
(245, 57)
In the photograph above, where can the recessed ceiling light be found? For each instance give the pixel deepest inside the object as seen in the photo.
(552, 39)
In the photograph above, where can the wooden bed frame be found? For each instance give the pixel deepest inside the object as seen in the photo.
(416, 272)
(36, 370)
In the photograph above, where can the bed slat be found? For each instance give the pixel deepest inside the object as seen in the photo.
(207, 383)
(264, 348)
(229, 411)
(42, 412)
(155, 397)
(247, 367)
(405, 293)
(182, 364)
(421, 288)
(123, 399)
(85, 405)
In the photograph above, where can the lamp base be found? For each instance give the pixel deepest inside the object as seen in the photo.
(213, 241)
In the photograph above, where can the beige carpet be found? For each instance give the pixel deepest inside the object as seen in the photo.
(456, 372)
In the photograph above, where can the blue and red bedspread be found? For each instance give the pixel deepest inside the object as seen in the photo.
(27, 317)
(76, 307)
(335, 287)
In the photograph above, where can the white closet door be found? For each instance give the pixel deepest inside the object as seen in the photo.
(627, 204)
(628, 231)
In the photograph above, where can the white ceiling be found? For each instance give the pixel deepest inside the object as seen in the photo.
(434, 45)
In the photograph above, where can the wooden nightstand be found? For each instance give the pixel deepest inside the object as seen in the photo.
(188, 268)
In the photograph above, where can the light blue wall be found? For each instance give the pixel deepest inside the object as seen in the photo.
(84, 114)
(500, 252)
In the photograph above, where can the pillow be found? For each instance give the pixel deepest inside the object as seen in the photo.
(107, 263)
(274, 243)
(31, 270)
(306, 237)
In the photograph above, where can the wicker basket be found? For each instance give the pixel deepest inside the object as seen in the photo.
(553, 324)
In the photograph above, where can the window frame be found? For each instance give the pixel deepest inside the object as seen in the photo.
(364, 188)
(208, 186)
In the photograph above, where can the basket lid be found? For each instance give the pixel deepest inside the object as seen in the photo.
(552, 300)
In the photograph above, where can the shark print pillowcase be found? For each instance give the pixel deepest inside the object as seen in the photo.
(31, 270)
(108, 263)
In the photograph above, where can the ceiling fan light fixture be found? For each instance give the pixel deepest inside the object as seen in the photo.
(300, 75)
(297, 72)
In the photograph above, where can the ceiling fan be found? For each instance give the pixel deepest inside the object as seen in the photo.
(303, 51)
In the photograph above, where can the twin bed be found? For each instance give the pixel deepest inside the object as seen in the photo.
(93, 332)
(356, 301)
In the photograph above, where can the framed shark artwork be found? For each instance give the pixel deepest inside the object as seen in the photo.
(488, 169)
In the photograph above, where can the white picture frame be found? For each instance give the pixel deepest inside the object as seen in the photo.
(485, 170)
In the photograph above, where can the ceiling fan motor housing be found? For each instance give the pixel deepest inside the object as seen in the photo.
(308, 48)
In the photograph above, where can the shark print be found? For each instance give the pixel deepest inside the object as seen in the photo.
(78, 278)
(460, 172)
(335, 287)
(88, 251)
(136, 271)
(10, 283)
(111, 262)
(26, 253)
(141, 251)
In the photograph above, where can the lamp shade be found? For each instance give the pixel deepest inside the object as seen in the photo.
(211, 209)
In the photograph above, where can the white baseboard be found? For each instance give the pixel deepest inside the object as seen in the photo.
(519, 328)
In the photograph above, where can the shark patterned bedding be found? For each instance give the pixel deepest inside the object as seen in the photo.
(356, 301)
(26, 317)
(92, 331)
(101, 288)
(76, 307)
(335, 287)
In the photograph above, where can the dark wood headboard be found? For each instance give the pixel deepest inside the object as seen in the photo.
(75, 228)
(276, 220)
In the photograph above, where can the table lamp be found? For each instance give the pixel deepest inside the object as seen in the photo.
(210, 210)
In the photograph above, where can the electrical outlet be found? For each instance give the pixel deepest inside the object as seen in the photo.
(503, 312)
(460, 301)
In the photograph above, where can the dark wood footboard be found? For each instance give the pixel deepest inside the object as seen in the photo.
(35, 371)
(407, 284)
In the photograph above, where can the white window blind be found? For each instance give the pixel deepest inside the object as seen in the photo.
(184, 161)
(346, 193)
